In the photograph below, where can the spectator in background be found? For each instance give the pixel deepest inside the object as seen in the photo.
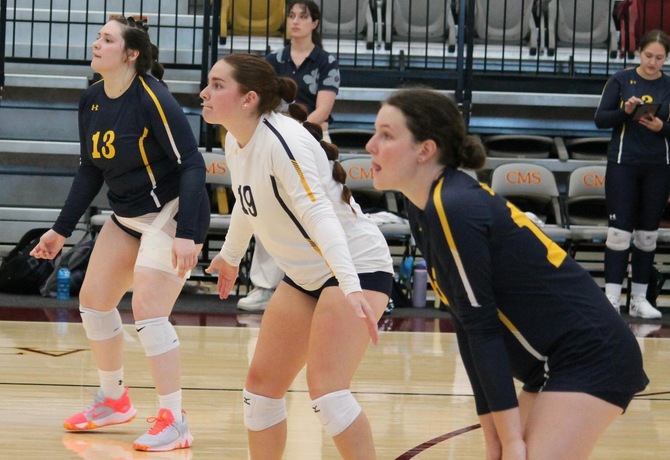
(521, 307)
(291, 196)
(638, 171)
(304, 60)
(318, 77)
(136, 139)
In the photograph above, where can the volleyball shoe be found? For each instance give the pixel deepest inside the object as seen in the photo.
(166, 434)
(101, 412)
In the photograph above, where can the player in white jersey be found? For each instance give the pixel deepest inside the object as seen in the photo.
(291, 195)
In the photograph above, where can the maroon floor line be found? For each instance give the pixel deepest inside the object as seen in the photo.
(428, 444)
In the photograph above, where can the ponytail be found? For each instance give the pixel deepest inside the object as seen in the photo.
(299, 113)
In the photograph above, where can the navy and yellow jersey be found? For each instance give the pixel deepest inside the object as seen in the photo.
(631, 142)
(141, 145)
(318, 72)
(521, 306)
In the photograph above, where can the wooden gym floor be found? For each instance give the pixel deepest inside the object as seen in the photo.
(412, 386)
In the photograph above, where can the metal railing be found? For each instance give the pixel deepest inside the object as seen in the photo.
(463, 45)
(62, 32)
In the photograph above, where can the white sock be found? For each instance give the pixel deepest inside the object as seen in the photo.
(171, 402)
(613, 290)
(637, 290)
(111, 383)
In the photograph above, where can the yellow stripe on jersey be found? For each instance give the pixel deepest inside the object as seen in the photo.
(163, 117)
(509, 325)
(145, 160)
(555, 255)
(436, 289)
(302, 180)
(437, 199)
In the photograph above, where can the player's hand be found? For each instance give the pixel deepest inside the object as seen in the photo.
(631, 103)
(49, 245)
(364, 311)
(652, 123)
(184, 255)
(227, 275)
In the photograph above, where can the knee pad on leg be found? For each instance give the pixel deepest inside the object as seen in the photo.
(157, 335)
(261, 412)
(336, 411)
(617, 239)
(101, 325)
(645, 240)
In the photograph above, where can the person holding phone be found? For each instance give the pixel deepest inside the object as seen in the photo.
(637, 181)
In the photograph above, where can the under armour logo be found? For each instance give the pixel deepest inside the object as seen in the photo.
(246, 400)
(316, 409)
(95, 107)
(120, 382)
(612, 216)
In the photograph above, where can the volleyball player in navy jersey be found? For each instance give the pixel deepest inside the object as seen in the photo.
(638, 171)
(134, 138)
(290, 194)
(522, 308)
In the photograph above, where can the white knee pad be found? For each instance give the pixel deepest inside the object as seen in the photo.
(157, 335)
(645, 240)
(617, 239)
(101, 325)
(336, 411)
(261, 412)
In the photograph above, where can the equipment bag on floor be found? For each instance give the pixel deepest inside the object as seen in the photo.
(76, 260)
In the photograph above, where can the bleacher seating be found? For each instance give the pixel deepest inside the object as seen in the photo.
(254, 17)
(533, 189)
(560, 142)
(381, 206)
(587, 148)
(346, 19)
(507, 22)
(420, 20)
(519, 146)
(585, 22)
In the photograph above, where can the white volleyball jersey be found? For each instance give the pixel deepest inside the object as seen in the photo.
(286, 195)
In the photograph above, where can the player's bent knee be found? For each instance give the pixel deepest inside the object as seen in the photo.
(157, 335)
(336, 411)
(101, 325)
(645, 240)
(261, 412)
(617, 239)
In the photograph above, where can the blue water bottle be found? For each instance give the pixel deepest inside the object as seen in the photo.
(419, 285)
(63, 286)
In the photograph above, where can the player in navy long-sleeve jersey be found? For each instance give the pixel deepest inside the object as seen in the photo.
(638, 171)
(522, 308)
(135, 139)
